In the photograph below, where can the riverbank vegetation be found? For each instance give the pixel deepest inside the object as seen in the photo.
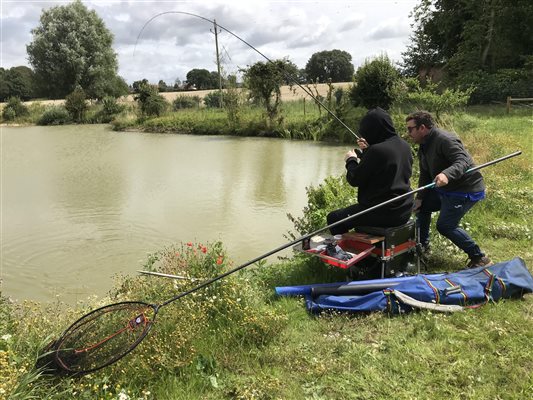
(236, 340)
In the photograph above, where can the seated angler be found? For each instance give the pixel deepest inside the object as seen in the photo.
(381, 173)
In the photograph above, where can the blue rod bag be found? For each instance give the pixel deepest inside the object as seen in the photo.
(467, 288)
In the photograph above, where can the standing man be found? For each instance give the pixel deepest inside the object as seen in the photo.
(444, 160)
(381, 173)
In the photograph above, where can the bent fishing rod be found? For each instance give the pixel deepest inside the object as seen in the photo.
(105, 335)
(285, 73)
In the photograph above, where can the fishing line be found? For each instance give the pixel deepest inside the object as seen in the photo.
(287, 75)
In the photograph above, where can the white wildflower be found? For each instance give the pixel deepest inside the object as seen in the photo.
(123, 396)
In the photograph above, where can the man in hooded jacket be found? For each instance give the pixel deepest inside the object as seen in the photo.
(381, 173)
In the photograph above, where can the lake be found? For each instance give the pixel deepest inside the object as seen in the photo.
(81, 204)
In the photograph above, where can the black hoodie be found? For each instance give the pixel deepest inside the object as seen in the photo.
(385, 166)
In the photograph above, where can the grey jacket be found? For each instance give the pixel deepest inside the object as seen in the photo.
(443, 152)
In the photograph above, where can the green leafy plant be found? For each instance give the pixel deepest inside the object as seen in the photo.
(54, 115)
(14, 108)
(376, 83)
(76, 105)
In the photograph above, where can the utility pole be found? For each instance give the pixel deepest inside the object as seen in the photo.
(215, 31)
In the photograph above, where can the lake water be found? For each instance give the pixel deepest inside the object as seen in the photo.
(81, 204)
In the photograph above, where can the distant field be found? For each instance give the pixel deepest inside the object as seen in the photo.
(287, 93)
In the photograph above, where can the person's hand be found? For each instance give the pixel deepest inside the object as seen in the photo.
(362, 143)
(417, 204)
(351, 153)
(441, 180)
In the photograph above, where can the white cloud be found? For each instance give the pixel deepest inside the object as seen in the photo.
(172, 44)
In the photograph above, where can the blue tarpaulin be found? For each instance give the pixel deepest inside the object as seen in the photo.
(443, 292)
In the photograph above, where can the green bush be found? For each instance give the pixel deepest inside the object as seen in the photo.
(333, 193)
(14, 109)
(109, 109)
(212, 100)
(151, 103)
(376, 84)
(429, 98)
(496, 87)
(184, 101)
(54, 115)
(76, 105)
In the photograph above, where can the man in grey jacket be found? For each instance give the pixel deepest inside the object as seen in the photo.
(444, 160)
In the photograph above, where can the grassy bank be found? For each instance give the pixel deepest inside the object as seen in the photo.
(237, 340)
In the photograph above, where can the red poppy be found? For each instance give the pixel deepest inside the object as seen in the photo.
(220, 259)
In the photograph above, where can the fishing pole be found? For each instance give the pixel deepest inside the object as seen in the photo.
(287, 75)
(105, 335)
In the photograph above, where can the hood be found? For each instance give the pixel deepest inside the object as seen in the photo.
(376, 126)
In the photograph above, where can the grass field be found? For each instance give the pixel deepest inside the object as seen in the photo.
(237, 340)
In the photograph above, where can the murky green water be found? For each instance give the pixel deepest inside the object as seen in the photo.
(82, 203)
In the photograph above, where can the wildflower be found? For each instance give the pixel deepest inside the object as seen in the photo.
(6, 337)
(220, 259)
(123, 396)
(204, 249)
(189, 244)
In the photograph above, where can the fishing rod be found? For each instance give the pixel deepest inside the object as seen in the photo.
(105, 335)
(287, 75)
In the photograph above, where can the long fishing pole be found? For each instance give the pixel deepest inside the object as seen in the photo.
(105, 335)
(292, 78)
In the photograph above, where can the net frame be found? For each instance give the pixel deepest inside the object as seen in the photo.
(131, 321)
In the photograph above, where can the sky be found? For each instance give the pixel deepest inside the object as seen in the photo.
(171, 44)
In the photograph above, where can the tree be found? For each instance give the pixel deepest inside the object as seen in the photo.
(17, 82)
(376, 83)
(335, 66)
(72, 47)
(202, 79)
(264, 81)
(470, 35)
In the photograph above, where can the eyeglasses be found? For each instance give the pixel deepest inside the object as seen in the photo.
(410, 128)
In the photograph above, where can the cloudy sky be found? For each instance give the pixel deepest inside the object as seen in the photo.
(172, 44)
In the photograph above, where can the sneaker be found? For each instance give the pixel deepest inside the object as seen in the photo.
(479, 261)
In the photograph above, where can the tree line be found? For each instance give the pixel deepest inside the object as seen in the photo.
(483, 46)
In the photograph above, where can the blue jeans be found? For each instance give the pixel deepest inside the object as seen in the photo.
(452, 209)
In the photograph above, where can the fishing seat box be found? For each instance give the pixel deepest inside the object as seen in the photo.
(395, 248)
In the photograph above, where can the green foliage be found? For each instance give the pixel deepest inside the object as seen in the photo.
(151, 103)
(110, 108)
(17, 82)
(333, 193)
(376, 83)
(429, 98)
(76, 105)
(202, 79)
(469, 37)
(54, 115)
(14, 108)
(183, 101)
(497, 86)
(330, 65)
(213, 99)
(264, 81)
(72, 47)
(233, 101)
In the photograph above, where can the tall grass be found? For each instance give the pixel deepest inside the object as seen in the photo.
(236, 340)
